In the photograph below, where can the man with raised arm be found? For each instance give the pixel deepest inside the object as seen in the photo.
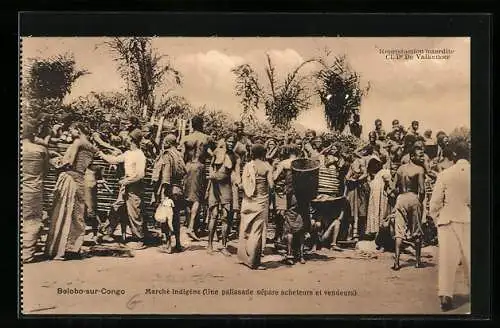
(129, 201)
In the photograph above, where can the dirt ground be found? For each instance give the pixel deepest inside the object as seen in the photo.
(121, 284)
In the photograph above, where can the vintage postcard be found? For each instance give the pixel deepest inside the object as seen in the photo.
(256, 175)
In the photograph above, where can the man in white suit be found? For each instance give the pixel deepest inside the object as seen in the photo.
(450, 208)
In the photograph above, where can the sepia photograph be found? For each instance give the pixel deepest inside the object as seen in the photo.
(245, 175)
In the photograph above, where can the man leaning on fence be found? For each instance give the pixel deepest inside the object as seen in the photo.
(127, 208)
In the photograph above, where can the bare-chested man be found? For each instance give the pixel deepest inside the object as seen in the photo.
(196, 148)
(408, 218)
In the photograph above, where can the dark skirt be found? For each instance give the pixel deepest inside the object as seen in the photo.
(358, 194)
(195, 182)
(293, 222)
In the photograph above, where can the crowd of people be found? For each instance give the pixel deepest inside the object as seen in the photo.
(376, 192)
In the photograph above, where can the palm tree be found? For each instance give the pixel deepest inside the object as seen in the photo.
(142, 68)
(283, 101)
(340, 91)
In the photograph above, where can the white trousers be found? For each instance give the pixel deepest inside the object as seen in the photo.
(454, 245)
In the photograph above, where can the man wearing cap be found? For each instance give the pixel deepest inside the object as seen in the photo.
(35, 161)
(167, 178)
(129, 199)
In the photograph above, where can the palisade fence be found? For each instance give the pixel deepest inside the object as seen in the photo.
(105, 198)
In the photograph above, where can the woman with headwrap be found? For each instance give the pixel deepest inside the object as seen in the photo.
(257, 181)
(67, 223)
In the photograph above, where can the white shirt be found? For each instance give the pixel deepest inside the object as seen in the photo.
(450, 201)
(134, 163)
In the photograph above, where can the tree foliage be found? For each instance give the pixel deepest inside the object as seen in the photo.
(143, 69)
(217, 123)
(282, 101)
(100, 106)
(47, 82)
(248, 89)
(50, 108)
(340, 90)
(52, 78)
(288, 99)
(173, 107)
(462, 133)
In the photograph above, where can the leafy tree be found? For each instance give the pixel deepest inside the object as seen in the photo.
(143, 70)
(340, 91)
(51, 109)
(283, 101)
(172, 107)
(52, 78)
(216, 122)
(248, 89)
(46, 83)
(111, 102)
(96, 106)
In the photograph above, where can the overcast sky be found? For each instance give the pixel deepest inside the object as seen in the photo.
(435, 92)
